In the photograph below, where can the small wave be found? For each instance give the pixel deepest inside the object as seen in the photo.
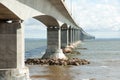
(85, 79)
(89, 79)
(104, 66)
(35, 52)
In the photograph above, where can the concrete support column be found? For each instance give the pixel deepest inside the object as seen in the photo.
(70, 35)
(75, 35)
(81, 35)
(54, 44)
(12, 65)
(8, 46)
(78, 34)
(20, 46)
(64, 37)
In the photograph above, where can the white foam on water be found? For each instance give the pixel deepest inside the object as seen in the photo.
(104, 66)
(85, 79)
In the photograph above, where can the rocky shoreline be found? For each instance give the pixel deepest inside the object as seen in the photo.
(61, 62)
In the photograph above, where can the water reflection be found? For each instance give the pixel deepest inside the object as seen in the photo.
(50, 72)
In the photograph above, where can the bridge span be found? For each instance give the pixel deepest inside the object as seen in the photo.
(62, 31)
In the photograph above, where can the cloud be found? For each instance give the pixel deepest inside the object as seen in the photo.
(36, 34)
(34, 24)
(35, 29)
(97, 15)
(94, 16)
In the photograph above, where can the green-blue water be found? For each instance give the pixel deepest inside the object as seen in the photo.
(104, 56)
(35, 47)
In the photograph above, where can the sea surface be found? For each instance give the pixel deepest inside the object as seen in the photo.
(103, 54)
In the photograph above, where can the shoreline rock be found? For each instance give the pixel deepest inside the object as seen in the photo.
(61, 62)
(70, 48)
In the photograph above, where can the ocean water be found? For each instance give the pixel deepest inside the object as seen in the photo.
(35, 48)
(103, 54)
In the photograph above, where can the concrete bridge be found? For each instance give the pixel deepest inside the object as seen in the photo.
(62, 31)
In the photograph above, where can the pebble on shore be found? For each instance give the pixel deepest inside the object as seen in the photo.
(73, 61)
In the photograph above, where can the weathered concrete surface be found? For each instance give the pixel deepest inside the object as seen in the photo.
(54, 44)
(70, 35)
(11, 45)
(64, 35)
(15, 74)
(8, 45)
(64, 38)
(7, 13)
(20, 46)
(24, 9)
(53, 38)
(54, 54)
(12, 65)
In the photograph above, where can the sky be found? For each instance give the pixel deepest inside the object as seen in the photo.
(100, 18)
(35, 29)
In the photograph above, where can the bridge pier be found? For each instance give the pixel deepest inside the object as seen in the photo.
(12, 65)
(54, 50)
(77, 35)
(74, 36)
(70, 35)
(70, 38)
(64, 37)
(81, 35)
